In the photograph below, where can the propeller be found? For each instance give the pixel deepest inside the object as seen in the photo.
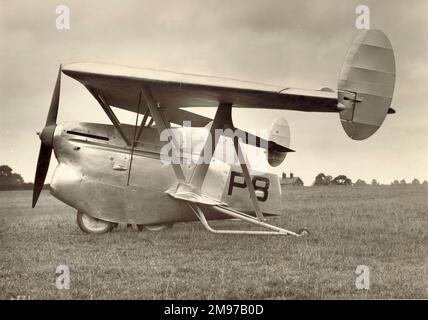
(46, 145)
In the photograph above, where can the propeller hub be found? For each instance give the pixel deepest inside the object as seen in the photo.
(47, 135)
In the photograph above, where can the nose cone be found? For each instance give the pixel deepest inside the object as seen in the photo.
(47, 135)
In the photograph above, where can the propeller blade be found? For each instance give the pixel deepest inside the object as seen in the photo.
(46, 147)
(53, 109)
(41, 171)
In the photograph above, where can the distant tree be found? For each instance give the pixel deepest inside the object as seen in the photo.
(416, 181)
(360, 182)
(425, 182)
(395, 182)
(8, 178)
(320, 180)
(342, 180)
(374, 182)
(403, 182)
(5, 171)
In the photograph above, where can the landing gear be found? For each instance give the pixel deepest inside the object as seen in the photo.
(154, 227)
(235, 214)
(92, 225)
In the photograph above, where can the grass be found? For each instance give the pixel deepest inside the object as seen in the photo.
(384, 228)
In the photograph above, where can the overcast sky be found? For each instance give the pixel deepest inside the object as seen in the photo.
(290, 43)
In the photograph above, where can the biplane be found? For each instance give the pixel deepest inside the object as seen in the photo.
(115, 174)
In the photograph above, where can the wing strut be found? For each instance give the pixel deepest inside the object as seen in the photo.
(142, 125)
(134, 139)
(110, 114)
(222, 120)
(162, 124)
(244, 166)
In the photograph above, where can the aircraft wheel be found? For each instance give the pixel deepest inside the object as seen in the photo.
(154, 227)
(92, 225)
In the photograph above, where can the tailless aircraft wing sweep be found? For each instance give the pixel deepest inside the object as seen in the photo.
(114, 174)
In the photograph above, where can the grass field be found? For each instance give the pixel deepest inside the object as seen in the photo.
(384, 228)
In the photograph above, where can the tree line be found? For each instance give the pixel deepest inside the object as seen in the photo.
(342, 180)
(10, 180)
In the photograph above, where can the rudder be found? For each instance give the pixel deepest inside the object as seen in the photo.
(366, 84)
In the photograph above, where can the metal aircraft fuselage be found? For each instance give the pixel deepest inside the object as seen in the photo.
(97, 176)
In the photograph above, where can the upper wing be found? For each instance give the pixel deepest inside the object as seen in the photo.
(120, 87)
